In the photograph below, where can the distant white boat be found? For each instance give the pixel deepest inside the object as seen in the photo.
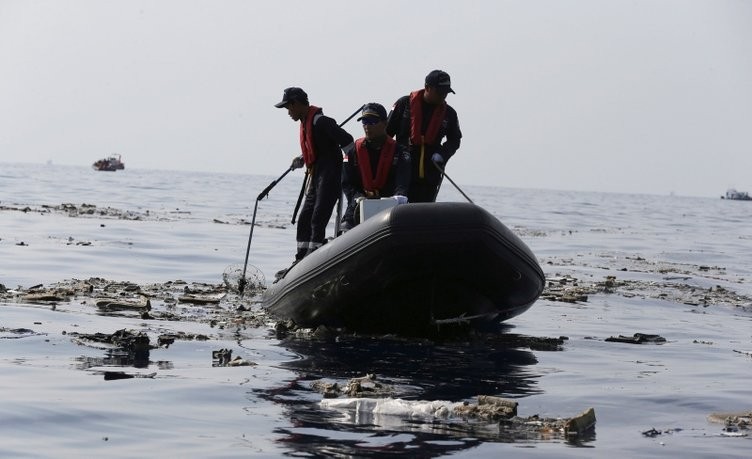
(737, 195)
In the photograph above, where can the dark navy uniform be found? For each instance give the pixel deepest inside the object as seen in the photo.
(425, 178)
(324, 188)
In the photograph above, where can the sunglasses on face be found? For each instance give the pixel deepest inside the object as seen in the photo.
(370, 121)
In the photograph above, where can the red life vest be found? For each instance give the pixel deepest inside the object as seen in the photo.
(431, 137)
(416, 120)
(371, 182)
(306, 136)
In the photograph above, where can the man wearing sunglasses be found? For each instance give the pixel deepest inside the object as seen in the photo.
(420, 121)
(376, 166)
(321, 142)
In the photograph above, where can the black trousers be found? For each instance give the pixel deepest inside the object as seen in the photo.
(423, 190)
(323, 192)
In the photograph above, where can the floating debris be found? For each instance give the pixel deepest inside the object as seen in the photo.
(15, 333)
(747, 353)
(735, 424)
(173, 300)
(128, 340)
(680, 283)
(45, 297)
(112, 304)
(488, 408)
(637, 338)
(733, 431)
(580, 424)
(223, 358)
(653, 432)
(364, 386)
(200, 299)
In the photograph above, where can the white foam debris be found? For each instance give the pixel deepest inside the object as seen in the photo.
(392, 406)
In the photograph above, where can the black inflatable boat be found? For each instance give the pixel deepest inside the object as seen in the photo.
(412, 269)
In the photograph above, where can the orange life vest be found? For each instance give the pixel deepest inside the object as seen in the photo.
(431, 137)
(306, 136)
(370, 182)
(416, 120)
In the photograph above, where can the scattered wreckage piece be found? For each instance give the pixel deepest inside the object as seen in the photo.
(128, 340)
(364, 386)
(735, 424)
(223, 358)
(200, 299)
(637, 338)
(489, 407)
(117, 304)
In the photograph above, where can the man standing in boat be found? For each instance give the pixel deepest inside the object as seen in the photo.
(420, 121)
(376, 166)
(321, 143)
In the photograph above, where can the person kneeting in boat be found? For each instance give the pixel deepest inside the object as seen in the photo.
(420, 121)
(321, 143)
(376, 166)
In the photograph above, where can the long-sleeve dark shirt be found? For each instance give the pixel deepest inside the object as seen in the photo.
(329, 139)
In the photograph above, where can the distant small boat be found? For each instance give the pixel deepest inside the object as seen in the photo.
(112, 163)
(737, 195)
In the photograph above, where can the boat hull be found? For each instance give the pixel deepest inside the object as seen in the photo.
(111, 164)
(412, 269)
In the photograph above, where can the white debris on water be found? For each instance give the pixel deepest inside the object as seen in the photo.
(393, 406)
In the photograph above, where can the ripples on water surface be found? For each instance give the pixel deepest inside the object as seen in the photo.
(54, 400)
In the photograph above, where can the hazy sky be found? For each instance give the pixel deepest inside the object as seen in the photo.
(643, 96)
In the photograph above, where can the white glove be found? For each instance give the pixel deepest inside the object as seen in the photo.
(437, 158)
(297, 162)
(400, 199)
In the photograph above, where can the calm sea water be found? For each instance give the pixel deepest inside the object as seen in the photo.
(54, 401)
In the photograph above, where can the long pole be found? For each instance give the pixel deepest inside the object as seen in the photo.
(300, 197)
(338, 215)
(444, 174)
(262, 195)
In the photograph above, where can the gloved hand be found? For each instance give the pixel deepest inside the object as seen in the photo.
(297, 162)
(400, 199)
(437, 158)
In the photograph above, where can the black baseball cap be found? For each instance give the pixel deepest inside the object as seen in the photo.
(439, 79)
(373, 110)
(291, 94)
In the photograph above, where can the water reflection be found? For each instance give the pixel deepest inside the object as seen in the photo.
(456, 371)
(115, 358)
(121, 358)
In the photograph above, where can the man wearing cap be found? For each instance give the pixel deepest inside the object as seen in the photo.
(321, 143)
(376, 166)
(420, 121)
